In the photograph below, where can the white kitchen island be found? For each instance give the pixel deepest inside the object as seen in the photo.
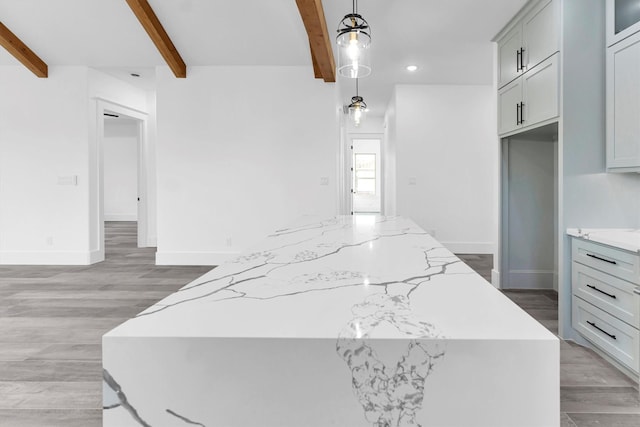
(351, 322)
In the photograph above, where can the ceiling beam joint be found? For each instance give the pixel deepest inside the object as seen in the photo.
(315, 23)
(150, 22)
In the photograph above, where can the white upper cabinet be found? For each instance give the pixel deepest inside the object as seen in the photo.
(531, 40)
(540, 92)
(623, 19)
(623, 106)
(540, 33)
(530, 100)
(509, 51)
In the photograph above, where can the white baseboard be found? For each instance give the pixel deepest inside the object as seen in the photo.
(495, 278)
(96, 256)
(120, 217)
(530, 279)
(193, 258)
(469, 247)
(46, 257)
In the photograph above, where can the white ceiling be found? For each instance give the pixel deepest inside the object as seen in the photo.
(448, 39)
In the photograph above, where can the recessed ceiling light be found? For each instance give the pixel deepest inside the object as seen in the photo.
(135, 75)
(412, 67)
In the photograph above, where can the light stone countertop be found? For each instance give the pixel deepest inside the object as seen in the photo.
(345, 277)
(626, 239)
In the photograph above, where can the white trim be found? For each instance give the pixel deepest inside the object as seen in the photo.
(495, 278)
(152, 241)
(469, 247)
(48, 257)
(193, 257)
(143, 167)
(120, 217)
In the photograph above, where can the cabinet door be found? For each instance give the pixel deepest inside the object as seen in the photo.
(623, 104)
(540, 92)
(540, 33)
(508, 48)
(509, 98)
(623, 19)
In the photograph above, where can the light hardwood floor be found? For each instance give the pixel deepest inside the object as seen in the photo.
(52, 320)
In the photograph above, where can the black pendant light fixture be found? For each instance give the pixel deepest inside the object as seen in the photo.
(357, 109)
(354, 40)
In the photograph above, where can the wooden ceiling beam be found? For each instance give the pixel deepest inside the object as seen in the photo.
(315, 23)
(22, 53)
(159, 36)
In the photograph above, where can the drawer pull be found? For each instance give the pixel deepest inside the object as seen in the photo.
(636, 291)
(601, 291)
(601, 330)
(602, 259)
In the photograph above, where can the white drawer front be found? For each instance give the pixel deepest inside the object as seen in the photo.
(622, 264)
(613, 295)
(616, 338)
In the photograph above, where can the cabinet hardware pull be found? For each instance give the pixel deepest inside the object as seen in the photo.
(601, 291)
(601, 330)
(518, 54)
(521, 112)
(636, 291)
(602, 259)
(517, 114)
(521, 59)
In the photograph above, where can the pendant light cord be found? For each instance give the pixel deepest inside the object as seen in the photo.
(354, 4)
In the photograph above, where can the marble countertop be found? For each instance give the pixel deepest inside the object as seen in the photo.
(627, 239)
(347, 277)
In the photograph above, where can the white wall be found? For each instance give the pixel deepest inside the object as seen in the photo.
(120, 153)
(445, 155)
(43, 138)
(241, 151)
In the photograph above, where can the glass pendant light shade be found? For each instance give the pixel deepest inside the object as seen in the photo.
(357, 110)
(354, 41)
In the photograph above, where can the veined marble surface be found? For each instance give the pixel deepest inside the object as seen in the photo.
(356, 321)
(312, 280)
(627, 239)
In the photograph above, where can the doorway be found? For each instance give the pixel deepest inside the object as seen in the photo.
(121, 170)
(366, 182)
(529, 210)
(121, 160)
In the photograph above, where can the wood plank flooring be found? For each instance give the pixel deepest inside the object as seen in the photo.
(52, 320)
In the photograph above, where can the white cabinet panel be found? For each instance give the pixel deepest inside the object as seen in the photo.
(508, 56)
(530, 41)
(531, 99)
(623, 19)
(623, 105)
(509, 99)
(540, 33)
(540, 93)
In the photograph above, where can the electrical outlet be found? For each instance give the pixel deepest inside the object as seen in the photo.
(324, 180)
(412, 180)
(49, 241)
(229, 242)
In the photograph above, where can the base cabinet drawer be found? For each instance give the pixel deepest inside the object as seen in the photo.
(608, 293)
(616, 262)
(616, 338)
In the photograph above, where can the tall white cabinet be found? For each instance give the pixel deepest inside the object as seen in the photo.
(561, 83)
(623, 86)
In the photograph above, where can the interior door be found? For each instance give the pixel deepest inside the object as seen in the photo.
(366, 184)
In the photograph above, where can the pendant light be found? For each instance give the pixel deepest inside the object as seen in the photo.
(357, 108)
(353, 40)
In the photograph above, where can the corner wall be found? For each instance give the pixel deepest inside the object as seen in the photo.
(241, 152)
(445, 157)
(44, 176)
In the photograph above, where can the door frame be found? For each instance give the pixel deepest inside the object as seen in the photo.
(346, 163)
(97, 173)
